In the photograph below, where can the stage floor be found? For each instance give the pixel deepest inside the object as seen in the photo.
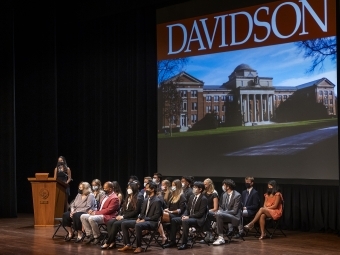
(18, 236)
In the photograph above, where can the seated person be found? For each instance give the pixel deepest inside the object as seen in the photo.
(186, 186)
(118, 191)
(193, 215)
(250, 201)
(229, 211)
(83, 202)
(165, 192)
(212, 196)
(175, 207)
(108, 209)
(272, 208)
(142, 193)
(148, 219)
(129, 211)
(98, 192)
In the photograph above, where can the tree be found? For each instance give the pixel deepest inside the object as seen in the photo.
(318, 50)
(170, 67)
(170, 101)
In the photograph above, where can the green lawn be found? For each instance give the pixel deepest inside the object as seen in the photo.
(224, 130)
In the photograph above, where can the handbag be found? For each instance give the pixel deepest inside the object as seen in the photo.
(166, 217)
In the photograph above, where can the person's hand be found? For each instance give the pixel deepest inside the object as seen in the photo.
(166, 210)
(185, 217)
(138, 220)
(119, 217)
(71, 214)
(244, 208)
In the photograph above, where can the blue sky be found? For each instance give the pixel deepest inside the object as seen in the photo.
(283, 62)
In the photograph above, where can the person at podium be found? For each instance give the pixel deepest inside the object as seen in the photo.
(83, 203)
(63, 173)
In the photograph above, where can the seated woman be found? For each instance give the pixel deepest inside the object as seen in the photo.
(175, 207)
(83, 202)
(165, 192)
(272, 208)
(98, 191)
(212, 196)
(118, 191)
(129, 211)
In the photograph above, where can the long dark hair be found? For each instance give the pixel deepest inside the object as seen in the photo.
(117, 189)
(133, 200)
(275, 189)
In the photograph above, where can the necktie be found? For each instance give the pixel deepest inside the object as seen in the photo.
(147, 207)
(227, 200)
(192, 209)
(247, 195)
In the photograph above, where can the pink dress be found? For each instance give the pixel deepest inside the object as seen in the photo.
(275, 213)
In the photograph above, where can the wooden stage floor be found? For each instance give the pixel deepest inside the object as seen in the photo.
(19, 237)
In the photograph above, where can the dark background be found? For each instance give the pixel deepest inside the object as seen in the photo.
(79, 80)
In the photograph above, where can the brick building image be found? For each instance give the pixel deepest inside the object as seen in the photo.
(245, 99)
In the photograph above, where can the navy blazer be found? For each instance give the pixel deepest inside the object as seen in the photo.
(252, 203)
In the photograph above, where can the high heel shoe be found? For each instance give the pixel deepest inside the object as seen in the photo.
(249, 226)
(111, 246)
(104, 246)
(164, 239)
(263, 236)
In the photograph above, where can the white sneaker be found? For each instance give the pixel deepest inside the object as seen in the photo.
(219, 241)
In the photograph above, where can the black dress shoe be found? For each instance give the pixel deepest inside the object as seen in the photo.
(95, 241)
(88, 239)
(68, 238)
(78, 240)
(183, 247)
(170, 244)
(230, 233)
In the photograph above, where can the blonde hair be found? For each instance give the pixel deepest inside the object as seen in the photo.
(86, 188)
(211, 187)
(167, 193)
(178, 192)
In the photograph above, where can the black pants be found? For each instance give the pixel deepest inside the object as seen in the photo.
(67, 220)
(139, 227)
(113, 227)
(207, 224)
(177, 221)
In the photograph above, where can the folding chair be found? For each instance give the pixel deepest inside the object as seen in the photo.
(153, 234)
(60, 220)
(199, 232)
(235, 231)
(275, 224)
(255, 230)
(103, 232)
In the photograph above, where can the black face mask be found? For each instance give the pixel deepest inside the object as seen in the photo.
(106, 191)
(80, 191)
(248, 185)
(269, 191)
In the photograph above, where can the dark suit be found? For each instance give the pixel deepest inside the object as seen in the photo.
(229, 211)
(252, 203)
(196, 217)
(151, 220)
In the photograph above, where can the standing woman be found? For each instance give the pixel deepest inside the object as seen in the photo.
(98, 192)
(129, 211)
(83, 202)
(272, 208)
(118, 191)
(63, 173)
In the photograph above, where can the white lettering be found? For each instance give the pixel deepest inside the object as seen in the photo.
(297, 24)
(322, 25)
(199, 38)
(233, 27)
(170, 38)
(261, 24)
(206, 32)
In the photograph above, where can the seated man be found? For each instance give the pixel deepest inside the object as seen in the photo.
(147, 220)
(193, 215)
(250, 201)
(229, 210)
(109, 208)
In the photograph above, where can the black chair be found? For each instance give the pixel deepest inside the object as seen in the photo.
(199, 232)
(103, 232)
(60, 220)
(152, 235)
(235, 231)
(275, 224)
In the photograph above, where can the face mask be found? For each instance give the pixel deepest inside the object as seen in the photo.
(106, 191)
(248, 185)
(195, 191)
(145, 184)
(183, 185)
(163, 188)
(223, 188)
(269, 191)
(129, 191)
(94, 187)
(80, 191)
(148, 192)
(173, 188)
(154, 180)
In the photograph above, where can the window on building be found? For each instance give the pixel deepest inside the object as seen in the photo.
(320, 100)
(331, 110)
(320, 93)
(193, 93)
(285, 97)
(280, 97)
(230, 98)
(330, 101)
(193, 118)
(223, 108)
(242, 83)
(223, 98)
(330, 93)
(208, 98)
(183, 93)
(326, 93)
(325, 101)
(215, 98)
(184, 106)
(275, 98)
(223, 118)
(216, 108)
(208, 109)
(194, 106)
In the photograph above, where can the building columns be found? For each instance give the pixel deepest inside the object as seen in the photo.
(261, 108)
(248, 114)
(254, 108)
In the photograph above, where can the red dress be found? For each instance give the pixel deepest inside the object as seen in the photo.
(270, 200)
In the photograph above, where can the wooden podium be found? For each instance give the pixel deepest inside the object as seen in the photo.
(48, 199)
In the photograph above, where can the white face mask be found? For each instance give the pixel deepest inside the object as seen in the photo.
(145, 184)
(223, 188)
(173, 188)
(155, 180)
(129, 191)
(94, 187)
(163, 188)
(183, 184)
